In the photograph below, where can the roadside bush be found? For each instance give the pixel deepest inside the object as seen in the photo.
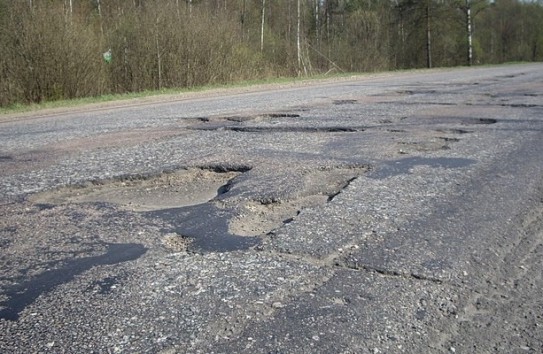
(49, 57)
(52, 49)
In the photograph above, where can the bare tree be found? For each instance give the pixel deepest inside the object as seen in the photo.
(298, 35)
(160, 44)
(428, 36)
(263, 17)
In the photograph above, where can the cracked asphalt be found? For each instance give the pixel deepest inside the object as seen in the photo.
(388, 213)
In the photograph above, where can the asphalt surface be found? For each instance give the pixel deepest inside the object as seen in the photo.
(392, 213)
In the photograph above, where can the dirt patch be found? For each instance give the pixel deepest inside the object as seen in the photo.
(175, 242)
(258, 219)
(319, 187)
(169, 190)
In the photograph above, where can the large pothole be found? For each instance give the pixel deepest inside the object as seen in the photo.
(195, 220)
(257, 218)
(168, 190)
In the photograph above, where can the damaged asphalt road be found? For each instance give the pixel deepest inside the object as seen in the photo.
(394, 213)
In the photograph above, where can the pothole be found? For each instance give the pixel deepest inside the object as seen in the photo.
(302, 129)
(168, 190)
(195, 220)
(520, 105)
(342, 102)
(217, 227)
(200, 228)
(181, 199)
(454, 131)
(416, 92)
(485, 121)
(241, 118)
(266, 123)
(257, 218)
(281, 115)
(319, 187)
(258, 117)
(509, 76)
(449, 140)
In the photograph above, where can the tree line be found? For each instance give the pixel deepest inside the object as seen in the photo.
(62, 49)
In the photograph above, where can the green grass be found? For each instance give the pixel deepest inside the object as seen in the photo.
(32, 107)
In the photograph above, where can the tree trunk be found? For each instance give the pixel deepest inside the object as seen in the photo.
(298, 45)
(158, 55)
(100, 16)
(317, 22)
(428, 37)
(242, 20)
(469, 32)
(262, 25)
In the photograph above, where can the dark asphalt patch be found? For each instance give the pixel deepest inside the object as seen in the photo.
(206, 226)
(23, 294)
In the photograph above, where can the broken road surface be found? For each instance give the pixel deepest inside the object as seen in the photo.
(392, 213)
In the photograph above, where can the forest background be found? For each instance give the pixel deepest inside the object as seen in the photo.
(63, 49)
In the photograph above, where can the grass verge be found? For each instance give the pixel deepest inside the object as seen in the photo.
(36, 107)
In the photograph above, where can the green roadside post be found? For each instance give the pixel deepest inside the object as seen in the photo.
(107, 56)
